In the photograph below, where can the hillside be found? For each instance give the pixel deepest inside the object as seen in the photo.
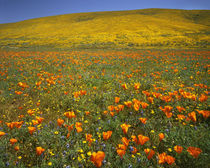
(146, 28)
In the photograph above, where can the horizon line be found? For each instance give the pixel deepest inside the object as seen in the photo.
(95, 12)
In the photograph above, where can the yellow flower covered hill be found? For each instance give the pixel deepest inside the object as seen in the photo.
(146, 28)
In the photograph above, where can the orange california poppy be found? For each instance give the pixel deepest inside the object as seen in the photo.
(194, 151)
(149, 153)
(167, 111)
(146, 93)
(68, 135)
(111, 108)
(143, 120)
(192, 116)
(10, 125)
(117, 109)
(134, 139)
(142, 139)
(180, 109)
(125, 141)
(17, 148)
(30, 112)
(181, 116)
(150, 99)
(65, 92)
(121, 152)
(161, 136)
(124, 86)
(128, 103)
(39, 150)
(13, 140)
(31, 130)
(205, 113)
(97, 158)
(86, 113)
(203, 98)
(89, 138)
(136, 101)
(23, 85)
(83, 92)
(117, 99)
(137, 86)
(144, 105)
(18, 124)
(78, 127)
(169, 159)
(60, 122)
(76, 94)
(112, 114)
(156, 95)
(2, 133)
(120, 107)
(39, 119)
(125, 127)
(166, 98)
(70, 114)
(18, 92)
(136, 106)
(107, 135)
(38, 83)
(162, 157)
(35, 122)
(176, 70)
(178, 149)
(121, 149)
(70, 127)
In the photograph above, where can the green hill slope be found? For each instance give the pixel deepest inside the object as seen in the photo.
(147, 28)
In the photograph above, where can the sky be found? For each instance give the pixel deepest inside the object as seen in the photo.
(18, 10)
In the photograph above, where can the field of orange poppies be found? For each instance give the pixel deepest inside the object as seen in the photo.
(129, 109)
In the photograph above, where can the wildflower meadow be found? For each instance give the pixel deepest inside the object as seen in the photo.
(121, 109)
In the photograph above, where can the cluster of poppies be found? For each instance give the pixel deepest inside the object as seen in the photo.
(111, 109)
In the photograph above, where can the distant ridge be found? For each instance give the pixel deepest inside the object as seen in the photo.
(145, 28)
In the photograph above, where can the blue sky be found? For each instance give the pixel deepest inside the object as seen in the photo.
(17, 10)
